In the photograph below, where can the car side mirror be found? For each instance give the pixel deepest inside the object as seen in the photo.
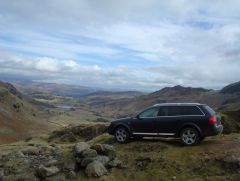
(138, 117)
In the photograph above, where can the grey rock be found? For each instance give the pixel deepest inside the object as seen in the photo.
(115, 163)
(24, 177)
(232, 159)
(69, 164)
(57, 177)
(105, 149)
(85, 161)
(14, 154)
(31, 151)
(232, 162)
(89, 153)
(44, 172)
(143, 161)
(103, 159)
(71, 175)
(79, 160)
(68, 137)
(51, 163)
(80, 147)
(19, 154)
(1, 175)
(95, 169)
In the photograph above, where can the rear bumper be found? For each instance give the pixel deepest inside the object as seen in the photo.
(213, 130)
(218, 129)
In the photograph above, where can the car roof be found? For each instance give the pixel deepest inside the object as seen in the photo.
(179, 104)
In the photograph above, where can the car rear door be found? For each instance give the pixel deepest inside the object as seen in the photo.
(168, 120)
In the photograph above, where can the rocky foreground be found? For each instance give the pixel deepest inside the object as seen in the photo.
(53, 163)
(85, 152)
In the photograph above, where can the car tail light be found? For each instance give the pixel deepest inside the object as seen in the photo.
(212, 120)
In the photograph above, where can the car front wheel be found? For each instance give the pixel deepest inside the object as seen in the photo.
(121, 135)
(189, 136)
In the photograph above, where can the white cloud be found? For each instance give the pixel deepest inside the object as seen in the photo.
(136, 44)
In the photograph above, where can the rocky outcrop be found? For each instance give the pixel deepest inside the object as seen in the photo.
(231, 162)
(56, 163)
(80, 147)
(96, 159)
(77, 133)
(95, 169)
(44, 172)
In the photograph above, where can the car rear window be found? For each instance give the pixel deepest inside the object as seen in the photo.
(210, 110)
(190, 110)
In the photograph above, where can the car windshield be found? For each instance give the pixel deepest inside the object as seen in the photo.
(151, 112)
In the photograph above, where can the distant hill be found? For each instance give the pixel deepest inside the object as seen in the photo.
(42, 89)
(215, 99)
(232, 88)
(18, 117)
(101, 98)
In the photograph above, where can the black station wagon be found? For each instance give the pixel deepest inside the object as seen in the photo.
(191, 122)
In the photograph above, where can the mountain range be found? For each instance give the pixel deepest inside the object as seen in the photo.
(32, 108)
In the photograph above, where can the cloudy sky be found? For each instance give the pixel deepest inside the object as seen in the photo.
(127, 44)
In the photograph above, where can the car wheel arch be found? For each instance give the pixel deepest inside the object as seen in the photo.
(191, 125)
(122, 125)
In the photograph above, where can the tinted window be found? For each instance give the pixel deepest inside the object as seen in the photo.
(169, 111)
(190, 110)
(210, 110)
(149, 113)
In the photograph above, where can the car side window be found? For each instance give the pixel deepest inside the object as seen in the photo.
(169, 111)
(191, 110)
(149, 113)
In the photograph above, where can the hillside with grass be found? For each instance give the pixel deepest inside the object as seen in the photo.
(18, 118)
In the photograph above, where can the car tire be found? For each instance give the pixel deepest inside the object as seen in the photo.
(121, 134)
(189, 136)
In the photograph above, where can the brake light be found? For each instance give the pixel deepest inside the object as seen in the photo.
(212, 120)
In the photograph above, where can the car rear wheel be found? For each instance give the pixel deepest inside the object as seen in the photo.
(121, 135)
(189, 136)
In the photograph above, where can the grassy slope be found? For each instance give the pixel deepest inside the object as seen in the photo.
(170, 159)
(18, 118)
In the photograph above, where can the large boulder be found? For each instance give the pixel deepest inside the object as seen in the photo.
(231, 162)
(105, 149)
(44, 172)
(31, 151)
(101, 158)
(89, 153)
(71, 175)
(95, 169)
(115, 163)
(85, 161)
(80, 147)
